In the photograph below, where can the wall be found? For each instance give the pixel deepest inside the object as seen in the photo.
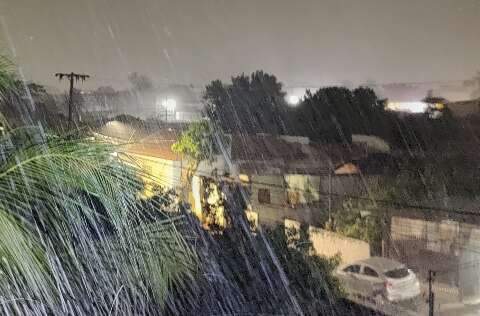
(275, 184)
(329, 244)
(306, 186)
(165, 173)
(446, 245)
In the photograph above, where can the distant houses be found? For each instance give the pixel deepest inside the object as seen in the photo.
(292, 178)
(285, 176)
(174, 103)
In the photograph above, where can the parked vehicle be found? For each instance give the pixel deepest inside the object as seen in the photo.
(379, 277)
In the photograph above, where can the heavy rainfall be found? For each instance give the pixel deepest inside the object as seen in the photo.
(274, 157)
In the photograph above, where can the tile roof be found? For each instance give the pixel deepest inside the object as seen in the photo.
(270, 154)
(153, 142)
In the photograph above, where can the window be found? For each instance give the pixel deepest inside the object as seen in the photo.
(264, 196)
(353, 269)
(370, 272)
(397, 273)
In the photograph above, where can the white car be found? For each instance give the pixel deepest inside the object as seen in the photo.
(377, 276)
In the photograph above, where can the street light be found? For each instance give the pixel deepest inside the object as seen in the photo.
(169, 104)
(293, 99)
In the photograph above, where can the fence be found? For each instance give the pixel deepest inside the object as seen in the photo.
(449, 245)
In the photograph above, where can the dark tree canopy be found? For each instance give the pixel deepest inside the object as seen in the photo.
(140, 82)
(249, 104)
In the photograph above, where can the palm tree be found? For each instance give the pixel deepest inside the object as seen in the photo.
(7, 83)
(73, 239)
(72, 232)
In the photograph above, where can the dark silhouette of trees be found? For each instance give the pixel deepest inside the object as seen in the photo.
(475, 83)
(140, 82)
(256, 104)
(333, 114)
(249, 104)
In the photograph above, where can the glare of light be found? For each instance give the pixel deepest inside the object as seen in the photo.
(413, 107)
(169, 104)
(293, 99)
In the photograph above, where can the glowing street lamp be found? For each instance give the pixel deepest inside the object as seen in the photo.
(293, 99)
(169, 104)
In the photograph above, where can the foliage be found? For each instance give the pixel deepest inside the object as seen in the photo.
(475, 83)
(256, 104)
(249, 104)
(197, 142)
(131, 120)
(333, 114)
(140, 82)
(7, 77)
(310, 276)
(72, 234)
(360, 220)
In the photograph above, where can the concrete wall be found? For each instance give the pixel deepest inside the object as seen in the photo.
(162, 172)
(274, 183)
(329, 244)
(306, 186)
(446, 245)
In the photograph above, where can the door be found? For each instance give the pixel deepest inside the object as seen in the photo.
(350, 278)
(371, 283)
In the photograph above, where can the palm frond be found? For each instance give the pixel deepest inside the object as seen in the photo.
(77, 204)
(7, 76)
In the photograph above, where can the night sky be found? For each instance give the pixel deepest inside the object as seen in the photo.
(303, 42)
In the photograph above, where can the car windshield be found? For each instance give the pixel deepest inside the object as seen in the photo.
(397, 273)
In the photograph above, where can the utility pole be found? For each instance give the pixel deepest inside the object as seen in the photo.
(431, 295)
(330, 197)
(72, 77)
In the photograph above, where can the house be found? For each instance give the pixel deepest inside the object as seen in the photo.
(293, 178)
(150, 149)
(173, 103)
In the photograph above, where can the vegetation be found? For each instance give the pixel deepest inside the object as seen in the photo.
(250, 104)
(256, 104)
(310, 276)
(68, 214)
(140, 82)
(73, 237)
(360, 220)
(197, 142)
(274, 272)
(333, 114)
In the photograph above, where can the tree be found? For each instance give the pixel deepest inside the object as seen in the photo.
(360, 220)
(249, 104)
(196, 142)
(310, 276)
(105, 90)
(7, 77)
(140, 82)
(71, 230)
(475, 83)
